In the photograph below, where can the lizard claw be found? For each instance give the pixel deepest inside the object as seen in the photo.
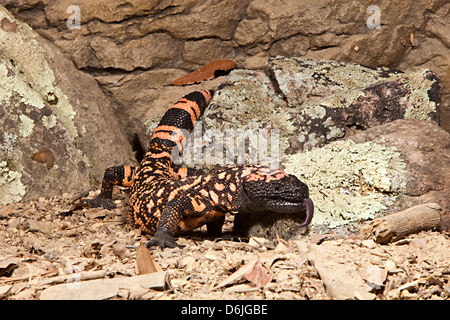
(163, 240)
(100, 201)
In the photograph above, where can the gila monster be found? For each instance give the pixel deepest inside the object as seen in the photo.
(166, 200)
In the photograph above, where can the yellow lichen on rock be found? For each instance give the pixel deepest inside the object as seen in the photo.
(349, 181)
(34, 79)
(11, 188)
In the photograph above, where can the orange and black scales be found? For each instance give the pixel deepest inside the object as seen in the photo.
(176, 199)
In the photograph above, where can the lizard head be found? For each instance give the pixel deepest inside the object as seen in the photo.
(275, 190)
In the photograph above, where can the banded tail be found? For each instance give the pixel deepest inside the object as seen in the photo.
(180, 117)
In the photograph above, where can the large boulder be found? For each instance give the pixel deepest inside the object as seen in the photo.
(303, 104)
(314, 105)
(332, 99)
(382, 170)
(127, 39)
(58, 130)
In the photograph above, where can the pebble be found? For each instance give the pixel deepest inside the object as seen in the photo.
(390, 265)
(38, 226)
(4, 291)
(405, 294)
(186, 263)
(369, 244)
(398, 260)
(120, 250)
(170, 253)
(376, 260)
(281, 248)
(257, 242)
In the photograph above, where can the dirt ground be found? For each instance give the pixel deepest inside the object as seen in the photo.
(43, 242)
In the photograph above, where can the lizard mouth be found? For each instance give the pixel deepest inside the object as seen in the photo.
(285, 206)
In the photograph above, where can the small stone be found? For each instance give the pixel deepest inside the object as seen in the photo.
(120, 250)
(211, 256)
(405, 294)
(4, 291)
(171, 253)
(398, 260)
(390, 265)
(186, 263)
(376, 260)
(281, 248)
(257, 242)
(393, 295)
(370, 244)
(38, 226)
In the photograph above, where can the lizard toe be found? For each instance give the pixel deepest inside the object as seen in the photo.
(100, 201)
(163, 240)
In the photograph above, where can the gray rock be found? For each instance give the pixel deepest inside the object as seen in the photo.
(382, 170)
(302, 104)
(335, 98)
(38, 226)
(58, 131)
(102, 289)
(313, 105)
(340, 276)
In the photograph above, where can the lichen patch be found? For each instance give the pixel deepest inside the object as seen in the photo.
(11, 188)
(349, 181)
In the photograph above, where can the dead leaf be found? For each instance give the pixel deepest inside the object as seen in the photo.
(208, 71)
(8, 265)
(254, 271)
(259, 275)
(374, 276)
(144, 261)
(238, 274)
(46, 156)
(95, 213)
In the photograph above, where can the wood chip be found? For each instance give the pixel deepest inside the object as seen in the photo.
(206, 72)
(73, 277)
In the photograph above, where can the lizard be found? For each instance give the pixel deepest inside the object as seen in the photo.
(166, 200)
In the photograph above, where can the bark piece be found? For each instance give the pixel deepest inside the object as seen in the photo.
(399, 225)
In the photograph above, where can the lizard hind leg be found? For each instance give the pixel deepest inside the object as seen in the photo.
(114, 176)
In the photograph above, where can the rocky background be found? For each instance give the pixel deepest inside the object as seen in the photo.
(74, 101)
(135, 48)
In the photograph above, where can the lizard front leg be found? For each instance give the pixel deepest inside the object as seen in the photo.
(184, 213)
(168, 224)
(114, 176)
